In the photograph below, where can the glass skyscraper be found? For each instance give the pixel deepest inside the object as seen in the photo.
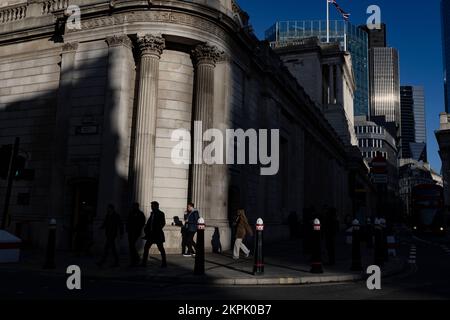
(385, 84)
(351, 38)
(413, 123)
(445, 14)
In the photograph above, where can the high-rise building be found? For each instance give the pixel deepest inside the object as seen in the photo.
(377, 37)
(413, 130)
(351, 38)
(385, 84)
(445, 16)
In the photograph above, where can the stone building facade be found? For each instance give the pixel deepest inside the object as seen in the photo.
(95, 108)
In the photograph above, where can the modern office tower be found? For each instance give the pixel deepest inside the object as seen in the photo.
(351, 38)
(445, 15)
(413, 131)
(385, 84)
(377, 37)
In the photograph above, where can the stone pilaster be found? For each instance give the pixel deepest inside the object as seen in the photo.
(205, 57)
(61, 132)
(151, 48)
(115, 129)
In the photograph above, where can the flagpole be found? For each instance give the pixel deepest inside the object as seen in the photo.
(328, 21)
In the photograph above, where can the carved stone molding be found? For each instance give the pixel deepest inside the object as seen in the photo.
(70, 46)
(205, 53)
(154, 16)
(119, 40)
(151, 44)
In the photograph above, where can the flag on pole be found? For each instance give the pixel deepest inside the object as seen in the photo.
(344, 13)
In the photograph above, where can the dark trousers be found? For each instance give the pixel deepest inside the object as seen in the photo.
(183, 241)
(330, 244)
(110, 245)
(190, 242)
(134, 255)
(147, 247)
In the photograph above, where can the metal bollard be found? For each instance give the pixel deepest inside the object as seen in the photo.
(51, 246)
(199, 267)
(378, 251)
(258, 268)
(316, 263)
(356, 246)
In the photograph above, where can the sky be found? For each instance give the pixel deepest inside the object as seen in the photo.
(413, 27)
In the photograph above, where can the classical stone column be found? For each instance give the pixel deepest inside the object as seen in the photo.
(115, 129)
(204, 57)
(151, 48)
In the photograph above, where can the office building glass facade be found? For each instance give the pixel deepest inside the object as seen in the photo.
(351, 38)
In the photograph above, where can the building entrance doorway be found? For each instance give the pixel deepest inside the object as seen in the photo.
(84, 204)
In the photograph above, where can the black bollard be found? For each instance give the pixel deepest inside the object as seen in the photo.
(51, 246)
(258, 267)
(199, 267)
(369, 234)
(316, 263)
(378, 251)
(356, 247)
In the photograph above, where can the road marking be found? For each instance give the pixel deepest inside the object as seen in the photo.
(412, 261)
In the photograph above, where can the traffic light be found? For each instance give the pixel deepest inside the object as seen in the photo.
(5, 158)
(20, 172)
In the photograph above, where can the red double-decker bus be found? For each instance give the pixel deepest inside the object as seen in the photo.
(428, 209)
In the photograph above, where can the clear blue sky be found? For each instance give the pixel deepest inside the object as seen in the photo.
(413, 27)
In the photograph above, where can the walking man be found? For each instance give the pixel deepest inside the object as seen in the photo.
(135, 223)
(191, 218)
(242, 229)
(154, 234)
(113, 226)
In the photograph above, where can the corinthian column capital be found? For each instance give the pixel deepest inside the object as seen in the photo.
(205, 53)
(150, 44)
(70, 47)
(119, 40)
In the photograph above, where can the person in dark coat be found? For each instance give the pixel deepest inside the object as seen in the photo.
(191, 218)
(113, 227)
(331, 227)
(154, 234)
(135, 223)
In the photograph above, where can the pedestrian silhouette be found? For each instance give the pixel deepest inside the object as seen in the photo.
(113, 227)
(183, 229)
(215, 241)
(191, 219)
(242, 229)
(154, 234)
(135, 223)
(331, 228)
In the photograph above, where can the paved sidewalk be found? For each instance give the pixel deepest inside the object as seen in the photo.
(285, 264)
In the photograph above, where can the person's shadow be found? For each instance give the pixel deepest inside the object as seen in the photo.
(177, 222)
(215, 241)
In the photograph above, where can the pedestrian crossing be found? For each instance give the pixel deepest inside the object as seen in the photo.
(412, 254)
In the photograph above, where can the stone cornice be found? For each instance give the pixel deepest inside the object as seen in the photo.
(150, 44)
